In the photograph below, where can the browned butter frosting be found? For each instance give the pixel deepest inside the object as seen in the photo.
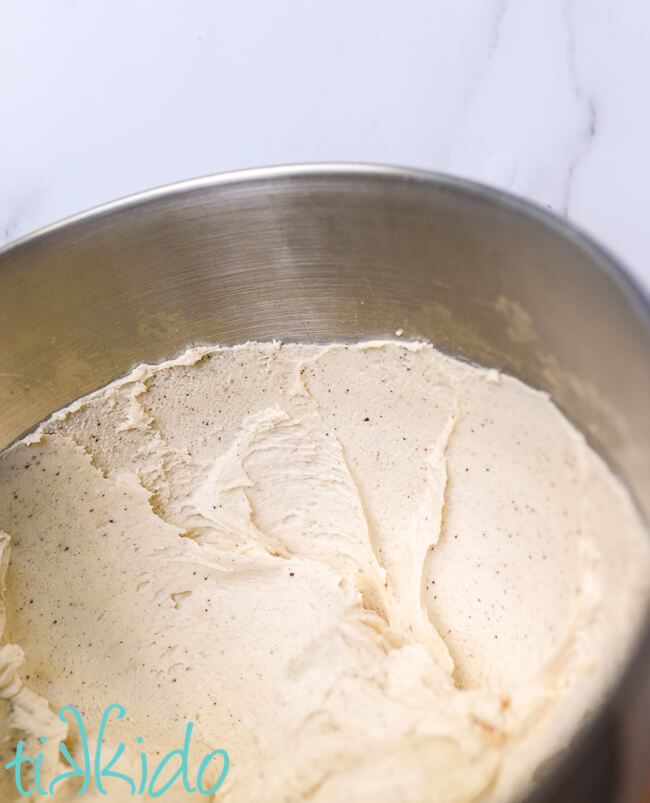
(369, 572)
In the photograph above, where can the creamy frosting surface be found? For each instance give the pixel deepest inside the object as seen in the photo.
(369, 572)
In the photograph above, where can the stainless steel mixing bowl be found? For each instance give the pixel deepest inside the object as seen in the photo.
(336, 252)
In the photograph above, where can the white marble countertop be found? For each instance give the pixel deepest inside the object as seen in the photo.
(546, 98)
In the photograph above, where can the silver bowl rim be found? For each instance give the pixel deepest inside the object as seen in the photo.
(630, 287)
(633, 289)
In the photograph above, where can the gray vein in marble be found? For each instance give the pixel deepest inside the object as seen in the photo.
(496, 29)
(15, 213)
(584, 100)
(479, 77)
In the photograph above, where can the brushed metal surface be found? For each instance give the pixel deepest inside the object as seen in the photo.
(333, 252)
